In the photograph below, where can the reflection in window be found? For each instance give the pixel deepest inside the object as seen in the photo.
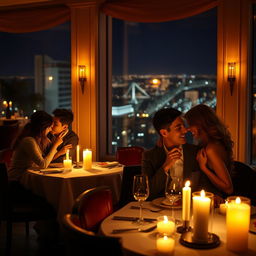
(35, 71)
(157, 65)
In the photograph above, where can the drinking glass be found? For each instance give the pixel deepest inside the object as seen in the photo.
(173, 189)
(140, 191)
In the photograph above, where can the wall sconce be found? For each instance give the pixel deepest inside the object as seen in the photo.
(82, 76)
(231, 75)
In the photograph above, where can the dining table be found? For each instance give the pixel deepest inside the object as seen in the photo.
(61, 187)
(137, 242)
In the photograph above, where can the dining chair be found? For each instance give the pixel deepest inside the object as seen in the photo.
(80, 241)
(6, 156)
(126, 194)
(8, 133)
(19, 207)
(129, 155)
(244, 181)
(93, 206)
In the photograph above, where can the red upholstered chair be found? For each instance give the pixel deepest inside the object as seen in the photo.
(93, 206)
(129, 155)
(80, 241)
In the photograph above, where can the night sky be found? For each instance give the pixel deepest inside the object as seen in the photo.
(184, 46)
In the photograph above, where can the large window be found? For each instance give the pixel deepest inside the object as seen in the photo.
(157, 65)
(35, 71)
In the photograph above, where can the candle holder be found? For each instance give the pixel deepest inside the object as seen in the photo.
(185, 227)
(165, 245)
(78, 165)
(166, 225)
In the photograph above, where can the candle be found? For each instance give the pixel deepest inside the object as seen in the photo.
(165, 225)
(223, 208)
(186, 199)
(67, 163)
(201, 212)
(165, 245)
(77, 154)
(237, 221)
(87, 159)
(67, 154)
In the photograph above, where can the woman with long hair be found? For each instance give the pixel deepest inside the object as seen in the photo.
(215, 157)
(29, 147)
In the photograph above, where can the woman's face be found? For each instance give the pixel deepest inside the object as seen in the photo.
(195, 131)
(47, 130)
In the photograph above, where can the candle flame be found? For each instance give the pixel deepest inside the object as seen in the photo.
(238, 200)
(202, 194)
(165, 237)
(165, 218)
(187, 184)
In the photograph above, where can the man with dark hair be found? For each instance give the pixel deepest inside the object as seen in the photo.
(62, 121)
(172, 155)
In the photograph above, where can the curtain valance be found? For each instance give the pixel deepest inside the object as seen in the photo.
(33, 19)
(155, 10)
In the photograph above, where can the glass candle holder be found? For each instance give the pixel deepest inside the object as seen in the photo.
(67, 164)
(165, 245)
(166, 225)
(237, 223)
(203, 207)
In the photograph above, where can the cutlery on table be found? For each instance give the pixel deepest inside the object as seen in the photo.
(126, 218)
(145, 208)
(117, 231)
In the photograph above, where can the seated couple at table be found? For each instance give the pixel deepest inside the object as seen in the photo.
(45, 139)
(207, 165)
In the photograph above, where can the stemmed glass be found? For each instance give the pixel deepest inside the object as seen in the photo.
(140, 192)
(173, 189)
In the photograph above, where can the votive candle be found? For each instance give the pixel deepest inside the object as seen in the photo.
(165, 245)
(67, 163)
(165, 225)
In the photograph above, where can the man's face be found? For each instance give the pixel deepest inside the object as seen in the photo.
(57, 126)
(175, 135)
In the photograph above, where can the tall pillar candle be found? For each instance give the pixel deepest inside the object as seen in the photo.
(201, 212)
(186, 201)
(87, 159)
(237, 221)
(77, 153)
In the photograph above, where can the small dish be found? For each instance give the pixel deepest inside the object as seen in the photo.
(107, 164)
(165, 203)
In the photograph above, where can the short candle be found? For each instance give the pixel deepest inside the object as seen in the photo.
(165, 225)
(238, 221)
(165, 245)
(87, 159)
(67, 163)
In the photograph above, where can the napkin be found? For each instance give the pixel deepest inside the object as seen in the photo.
(51, 170)
(132, 218)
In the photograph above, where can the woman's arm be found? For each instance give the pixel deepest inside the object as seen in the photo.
(219, 176)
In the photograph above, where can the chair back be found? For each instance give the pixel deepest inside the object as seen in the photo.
(244, 181)
(8, 134)
(129, 155)
(6, 156)
(126, 194)
(81, 241)
(93, 206)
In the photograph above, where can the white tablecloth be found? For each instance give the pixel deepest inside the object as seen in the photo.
(138, 243)
(61, 189)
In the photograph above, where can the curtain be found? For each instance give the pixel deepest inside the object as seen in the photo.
(33, 19)
(155, 10)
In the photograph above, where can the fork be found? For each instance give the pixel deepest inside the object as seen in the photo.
(144, 208)
(117, 231)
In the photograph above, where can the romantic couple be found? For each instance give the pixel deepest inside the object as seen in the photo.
(206, 165)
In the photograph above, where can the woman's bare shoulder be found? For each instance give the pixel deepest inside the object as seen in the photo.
(215, 148)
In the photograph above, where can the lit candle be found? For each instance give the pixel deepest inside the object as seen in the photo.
(186, 201)
(10, 104)
(165, 245)
(223, 208)
(5, 103)
(67, 163)
(237, 221)
(67, 154)
(77, 154)
(87, 159)
(201, 212)
(165, 225)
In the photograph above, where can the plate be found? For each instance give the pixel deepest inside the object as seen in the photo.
(51, 170)
(107, 164)
(165, 203)
(252, 228)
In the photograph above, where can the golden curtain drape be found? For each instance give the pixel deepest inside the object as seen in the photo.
(155, 10)
(33, 19)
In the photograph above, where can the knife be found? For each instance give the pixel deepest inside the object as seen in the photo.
(132, 218)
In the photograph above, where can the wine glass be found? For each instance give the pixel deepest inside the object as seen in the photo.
(173, 189)
(140, 192)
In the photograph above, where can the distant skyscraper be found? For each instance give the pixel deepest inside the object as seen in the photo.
(52, 81)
